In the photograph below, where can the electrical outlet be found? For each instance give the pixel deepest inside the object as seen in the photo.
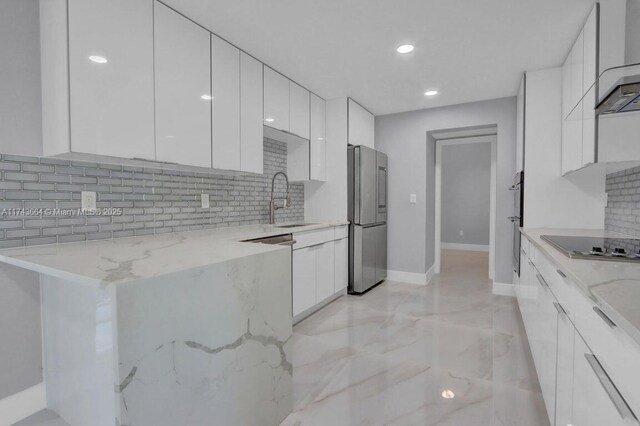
(412, 198)
(462, 232)
(88, 201)
(204, 201)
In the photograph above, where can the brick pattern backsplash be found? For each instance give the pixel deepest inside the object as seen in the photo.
(151, 200)
(622, 213)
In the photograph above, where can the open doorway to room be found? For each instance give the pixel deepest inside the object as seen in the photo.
(465, 197)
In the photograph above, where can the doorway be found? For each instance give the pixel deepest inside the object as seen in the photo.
(465, 193)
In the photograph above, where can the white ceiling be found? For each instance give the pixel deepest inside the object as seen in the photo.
(469, 50)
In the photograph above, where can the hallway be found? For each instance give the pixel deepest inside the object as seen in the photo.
(450, 353)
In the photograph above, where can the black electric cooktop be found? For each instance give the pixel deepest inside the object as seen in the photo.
(597, 248)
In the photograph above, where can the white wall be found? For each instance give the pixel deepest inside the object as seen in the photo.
(466, 174)
(20, 102)
(403, 137)
(327, 201)
(550, 200)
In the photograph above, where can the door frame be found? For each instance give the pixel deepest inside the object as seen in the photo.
(492, 139)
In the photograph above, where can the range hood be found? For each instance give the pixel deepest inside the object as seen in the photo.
(620, 86)
(623, 96)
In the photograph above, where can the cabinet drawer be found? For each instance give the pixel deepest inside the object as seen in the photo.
(524, 245)
(341, 232)
(616, 351)
(596, 397)
(312, 238)
(562, 287)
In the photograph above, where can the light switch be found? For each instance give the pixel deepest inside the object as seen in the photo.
(88, 200)
(412, 198)
(204, 201)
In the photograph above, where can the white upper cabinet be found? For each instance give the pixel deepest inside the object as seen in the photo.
(520, 123)
(317, 140)
(276, 100)
(183, 89)
(251, 114)
(589, 76)
(590, 51)
(577, 83)
(298, 110)
(225, 111)
(579, 73)
(567, 96)
(110, 78)
(361, 125)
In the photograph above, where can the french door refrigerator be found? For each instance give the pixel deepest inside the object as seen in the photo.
(367, 209)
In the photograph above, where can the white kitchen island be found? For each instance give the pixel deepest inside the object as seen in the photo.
(183, 328)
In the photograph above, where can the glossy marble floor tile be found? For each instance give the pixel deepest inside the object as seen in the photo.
(450, 353)
(42, 418)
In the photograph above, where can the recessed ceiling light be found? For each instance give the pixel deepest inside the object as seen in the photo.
(448, 394)
(431, 92)
(98, 59)
(405, 48)
(206, 97)
(269, 120)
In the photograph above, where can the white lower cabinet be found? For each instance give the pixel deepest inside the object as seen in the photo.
(325, 271)
(304, 279)
(578, 387)
(342, 264)
(596, 401)
(564, 370)
(319, 268)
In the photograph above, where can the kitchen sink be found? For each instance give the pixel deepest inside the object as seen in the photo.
(294, 225)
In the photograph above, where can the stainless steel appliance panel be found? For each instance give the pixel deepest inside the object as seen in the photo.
(382, 165)
(380, 233)
(367, 256)
(365, 185)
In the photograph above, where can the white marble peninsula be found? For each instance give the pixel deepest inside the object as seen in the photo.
(182, 328)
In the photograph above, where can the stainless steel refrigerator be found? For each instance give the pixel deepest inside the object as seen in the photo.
(367, 208)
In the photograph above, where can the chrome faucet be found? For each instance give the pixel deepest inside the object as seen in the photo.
(285, 200)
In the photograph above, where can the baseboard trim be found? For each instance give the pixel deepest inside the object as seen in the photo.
(503, 289)
(468, 247)
(23, 404)
(411, 277)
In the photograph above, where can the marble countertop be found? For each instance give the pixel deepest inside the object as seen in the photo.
(122, 260)
(614, 286)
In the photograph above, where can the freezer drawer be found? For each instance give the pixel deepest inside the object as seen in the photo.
(367, 256)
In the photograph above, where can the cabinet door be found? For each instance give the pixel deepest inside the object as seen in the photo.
(564, 376)
(577, 77)
(225, 110)
(276, 100)
(589, 75)
(567, 87)
(325, 271)
(304, 279)
(183, 89)
(596, 401)
(298, 110)
(520, 123)
(590, 50)
(544, 344)
(341, 264)
(111, 103)
(361, 125)
(318, 144)
(251, 133)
